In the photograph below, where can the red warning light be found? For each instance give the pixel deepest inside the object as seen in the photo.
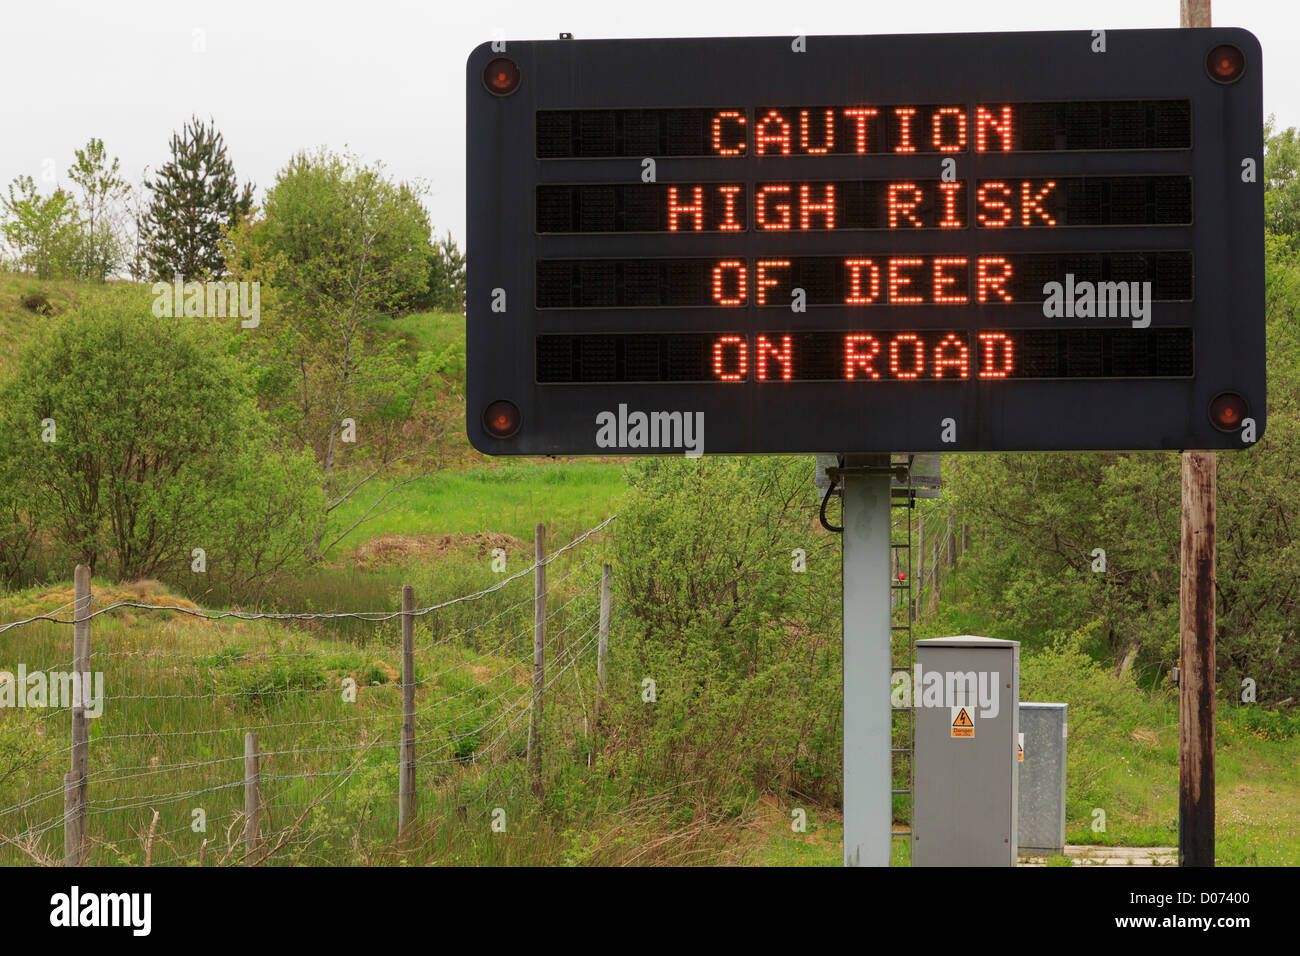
(501, 419)
(1228, 411)
(501, 76)
(1225, 64)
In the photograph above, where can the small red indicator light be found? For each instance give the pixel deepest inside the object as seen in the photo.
(1228, 411)
(501, 76)
(501, 419)
(1225, 64)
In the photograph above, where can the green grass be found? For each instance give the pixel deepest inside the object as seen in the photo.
(18, 325)
(509, 496)
(181, 693)
(822, 844)
(431, 331)
(1257, 792)
(191, 708)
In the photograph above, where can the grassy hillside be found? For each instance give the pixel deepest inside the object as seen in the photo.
(183, 691)
(469, 493)
(19, 323)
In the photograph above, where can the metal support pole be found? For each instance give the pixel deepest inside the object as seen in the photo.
(868, 813)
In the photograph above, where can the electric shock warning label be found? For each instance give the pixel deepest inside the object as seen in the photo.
(962, 725)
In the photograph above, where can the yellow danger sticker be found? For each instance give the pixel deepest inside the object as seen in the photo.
(962, 725)
(1020, 749)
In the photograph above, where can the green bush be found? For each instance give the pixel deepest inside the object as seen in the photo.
(273, 680)
(136, 439)
(744, 652)
(37, 302)
(1104, 710)
(1276, 725)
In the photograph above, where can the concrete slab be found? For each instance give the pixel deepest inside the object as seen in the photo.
(1112, 856)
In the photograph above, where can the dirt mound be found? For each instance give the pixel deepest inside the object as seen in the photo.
(145, 591)
(401, 548)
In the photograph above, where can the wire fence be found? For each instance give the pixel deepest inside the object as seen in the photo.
(174, 692)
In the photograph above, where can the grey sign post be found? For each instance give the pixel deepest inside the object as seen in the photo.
(964, 691)
(867, 724)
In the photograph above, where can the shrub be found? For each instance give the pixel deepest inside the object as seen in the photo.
(138, 440)
(744, 652)
(1104, 710)
(37, 302)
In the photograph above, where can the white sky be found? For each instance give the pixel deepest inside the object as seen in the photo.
(386, 77)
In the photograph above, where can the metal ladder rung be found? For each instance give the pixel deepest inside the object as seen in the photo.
(902, 560)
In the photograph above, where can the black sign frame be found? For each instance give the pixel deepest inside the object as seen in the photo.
(1225, 163)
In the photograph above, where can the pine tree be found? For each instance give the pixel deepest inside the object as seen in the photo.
(194, 195)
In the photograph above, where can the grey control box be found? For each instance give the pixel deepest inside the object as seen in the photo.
(1043, 733)
(965, 692)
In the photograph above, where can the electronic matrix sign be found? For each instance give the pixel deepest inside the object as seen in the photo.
(882, 243)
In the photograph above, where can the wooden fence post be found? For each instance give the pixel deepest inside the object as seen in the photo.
(406, 780)
(75, 807)
(951, 544)
(71, 820)
(539, 658)
(602, 646)
(252, 782)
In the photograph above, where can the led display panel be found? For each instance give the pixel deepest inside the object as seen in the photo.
(979, 242)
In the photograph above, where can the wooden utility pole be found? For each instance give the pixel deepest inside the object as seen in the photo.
(1196, 624)
(1193, 13)
(406, 776)
(75, 809)
(1196, 675)
(539, 657)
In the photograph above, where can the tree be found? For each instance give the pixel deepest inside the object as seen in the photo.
(194, 196)
(102, 247)
(41, 230)
(1032, 567)
(446, 292)
(139, 440)
(343, 245)
(1281, 182)
(18, 527)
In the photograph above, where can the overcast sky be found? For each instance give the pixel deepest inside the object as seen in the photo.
(386, 77)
